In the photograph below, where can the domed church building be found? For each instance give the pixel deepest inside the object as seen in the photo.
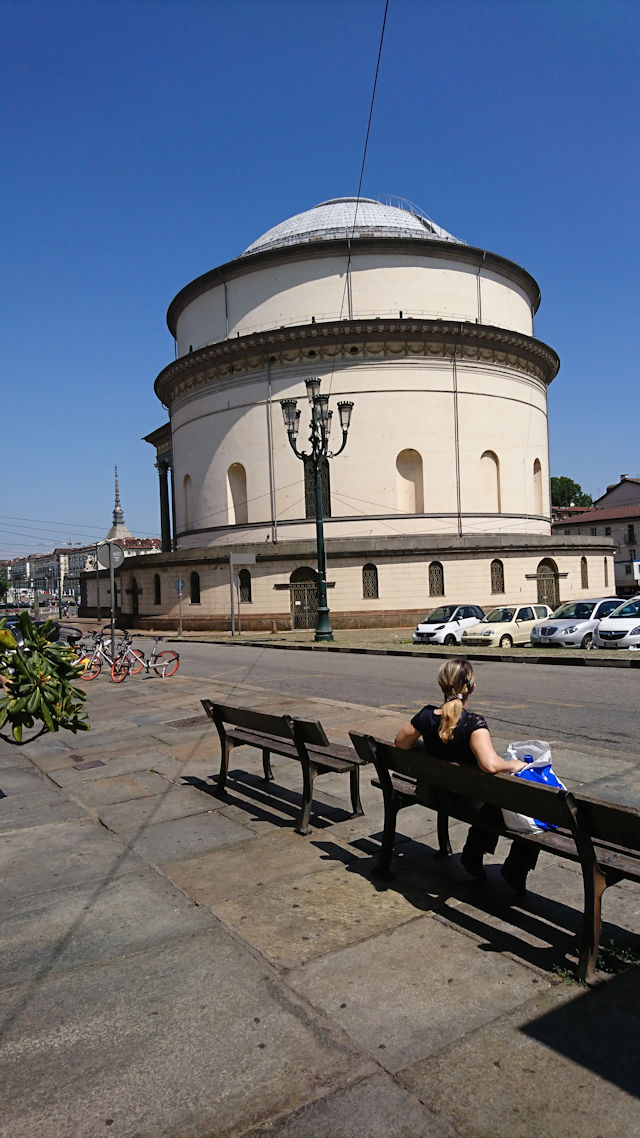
(442, 490)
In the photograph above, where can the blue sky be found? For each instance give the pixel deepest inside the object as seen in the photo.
(146, 142)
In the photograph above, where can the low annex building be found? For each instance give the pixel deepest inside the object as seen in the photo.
(442, 492)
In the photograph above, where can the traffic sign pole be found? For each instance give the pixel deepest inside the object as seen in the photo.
(179, 587)
(111, 555)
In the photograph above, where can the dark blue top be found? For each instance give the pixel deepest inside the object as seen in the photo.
(457, 750)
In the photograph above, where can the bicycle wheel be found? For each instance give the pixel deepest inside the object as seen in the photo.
(92, 668)
(120, 669)
(166, 664)
(137, 661)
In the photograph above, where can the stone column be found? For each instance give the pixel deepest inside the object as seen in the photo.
(165, 516)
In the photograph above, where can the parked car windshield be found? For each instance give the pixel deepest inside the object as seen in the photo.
(445, 612)
(574, 610)
(498, 616)
(632, 608)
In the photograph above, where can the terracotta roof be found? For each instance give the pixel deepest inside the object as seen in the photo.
(598, 516)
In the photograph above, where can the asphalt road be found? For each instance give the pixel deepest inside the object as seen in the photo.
(591, 709)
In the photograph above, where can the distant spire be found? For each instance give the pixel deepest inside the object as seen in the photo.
(118, 530)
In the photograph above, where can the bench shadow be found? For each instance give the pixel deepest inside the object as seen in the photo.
(262, 795)
(489, 911)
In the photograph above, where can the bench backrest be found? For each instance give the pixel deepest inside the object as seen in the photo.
(429, 772)
(283, 726)
(609, 822)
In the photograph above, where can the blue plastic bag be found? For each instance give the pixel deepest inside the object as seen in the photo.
(544, 776)
(537, 755)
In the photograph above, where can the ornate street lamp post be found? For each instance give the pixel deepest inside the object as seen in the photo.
(318, 456)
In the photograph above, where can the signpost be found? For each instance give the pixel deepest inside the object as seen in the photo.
(111, 555)
(179, 588)
(237, 559)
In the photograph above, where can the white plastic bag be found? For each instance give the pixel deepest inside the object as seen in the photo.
(537, 755)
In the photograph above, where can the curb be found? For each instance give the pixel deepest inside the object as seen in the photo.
(503, 658)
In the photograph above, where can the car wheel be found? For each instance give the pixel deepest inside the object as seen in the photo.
(587, 641)
(449, 640)
(506, 642)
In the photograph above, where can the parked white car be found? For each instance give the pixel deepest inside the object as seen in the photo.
(621, 629)
(446, 624)
(573, 624)
(505, 626)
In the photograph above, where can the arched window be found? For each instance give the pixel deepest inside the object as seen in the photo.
(237, 494)
(186, 499)
(369, 582)
(537, 486)
(157, 591)
(244, 581)
(436, 579)
(497, 576)
(409, 482)
(606, 573)
(584, 573)
(490, 482)
(194, 588)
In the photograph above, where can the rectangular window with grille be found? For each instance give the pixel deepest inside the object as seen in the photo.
(310, 489)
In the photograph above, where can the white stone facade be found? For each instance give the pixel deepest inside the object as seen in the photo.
(432, 340)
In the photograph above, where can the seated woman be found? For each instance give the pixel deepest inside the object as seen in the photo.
(452, 732)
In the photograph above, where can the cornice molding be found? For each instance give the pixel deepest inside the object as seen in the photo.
(350, 339)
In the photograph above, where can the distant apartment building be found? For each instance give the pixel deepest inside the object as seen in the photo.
(615, 515)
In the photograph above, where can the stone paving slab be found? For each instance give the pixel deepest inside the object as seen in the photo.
(229, 873)
(37, 809)
(22, 780)
(190, 1039)
(184, 837)
(125, 764)
(118, 788)
(624, 787)
(93, 922)
(412, 990)
(172, 803)
(293, 921)
(67, 853)
(376, 1108)
(562, 1066)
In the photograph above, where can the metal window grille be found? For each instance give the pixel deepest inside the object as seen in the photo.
(370, 582)
(436, 579)
(244, 578)
(310, 488)
(497, 577)
(584, 573)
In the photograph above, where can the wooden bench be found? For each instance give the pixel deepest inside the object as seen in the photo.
(602, 836)
(299, 739)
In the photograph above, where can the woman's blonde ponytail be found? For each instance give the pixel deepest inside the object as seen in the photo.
(456, 680)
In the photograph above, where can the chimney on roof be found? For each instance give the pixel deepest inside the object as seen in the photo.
(623, 476)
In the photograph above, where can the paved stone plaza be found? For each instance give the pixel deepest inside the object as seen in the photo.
(180, 965)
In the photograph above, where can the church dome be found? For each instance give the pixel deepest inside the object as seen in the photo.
(339, 218)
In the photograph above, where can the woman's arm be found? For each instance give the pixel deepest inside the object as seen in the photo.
(487, 757)
(407, 737)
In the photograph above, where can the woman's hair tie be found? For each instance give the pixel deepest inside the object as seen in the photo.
(450, 698)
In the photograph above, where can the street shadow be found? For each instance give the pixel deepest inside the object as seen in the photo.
(599, 1030)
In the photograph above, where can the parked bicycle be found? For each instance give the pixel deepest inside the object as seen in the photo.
(94, 657)
(131, 661)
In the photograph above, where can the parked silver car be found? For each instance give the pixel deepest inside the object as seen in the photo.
(573, 624)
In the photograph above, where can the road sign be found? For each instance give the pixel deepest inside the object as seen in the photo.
(179, 585)
(110, 555)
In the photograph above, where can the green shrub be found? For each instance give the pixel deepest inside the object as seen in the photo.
(38, 681)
